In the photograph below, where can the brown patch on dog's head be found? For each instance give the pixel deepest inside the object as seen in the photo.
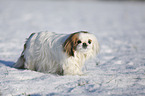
(71, 43)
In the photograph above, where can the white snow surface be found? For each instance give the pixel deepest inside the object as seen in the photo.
(118, 70)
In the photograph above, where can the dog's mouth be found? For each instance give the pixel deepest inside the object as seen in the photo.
(84, 50)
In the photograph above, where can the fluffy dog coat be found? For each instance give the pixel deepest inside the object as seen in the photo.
(63, 54)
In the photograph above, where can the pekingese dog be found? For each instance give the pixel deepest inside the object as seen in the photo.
(63, 54)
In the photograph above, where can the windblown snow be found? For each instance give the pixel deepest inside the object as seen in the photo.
(119, 68)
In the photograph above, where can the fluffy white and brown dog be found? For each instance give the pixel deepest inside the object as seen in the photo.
(63, 54)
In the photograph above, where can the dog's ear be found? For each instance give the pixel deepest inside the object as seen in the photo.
(71, 43)
(96, 46)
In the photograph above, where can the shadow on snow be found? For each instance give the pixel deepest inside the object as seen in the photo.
(7, 63)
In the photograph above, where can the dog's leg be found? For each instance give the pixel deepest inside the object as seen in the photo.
(20, 63)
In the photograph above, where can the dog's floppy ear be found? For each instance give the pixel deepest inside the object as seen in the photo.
(96, 46)
(70, 44)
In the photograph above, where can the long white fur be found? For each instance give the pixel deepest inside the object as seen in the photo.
(45, 53)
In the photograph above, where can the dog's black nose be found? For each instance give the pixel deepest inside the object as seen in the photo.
(85, 45)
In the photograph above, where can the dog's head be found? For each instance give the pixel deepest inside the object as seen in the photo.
(81, 42)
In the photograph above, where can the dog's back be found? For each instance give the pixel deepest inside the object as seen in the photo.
(39, 50)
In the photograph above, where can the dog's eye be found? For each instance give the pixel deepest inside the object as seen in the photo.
(89, 41)
(79, 41)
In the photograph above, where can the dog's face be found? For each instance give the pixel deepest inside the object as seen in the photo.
(82, 42)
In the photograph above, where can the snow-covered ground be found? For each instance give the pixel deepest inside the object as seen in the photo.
(119, 69)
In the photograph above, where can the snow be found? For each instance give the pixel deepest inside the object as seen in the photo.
(118, 70)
